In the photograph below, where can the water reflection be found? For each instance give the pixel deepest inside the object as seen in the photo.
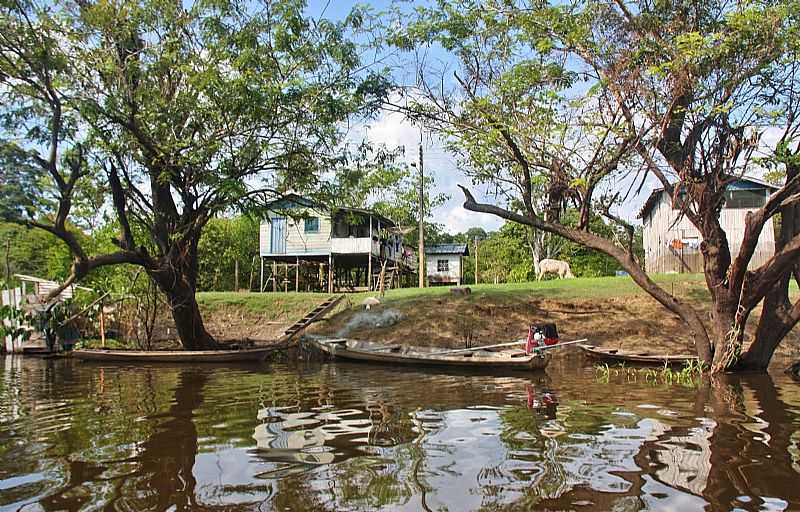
(78, 436)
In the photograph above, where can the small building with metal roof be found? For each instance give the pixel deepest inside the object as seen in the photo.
(444, 263)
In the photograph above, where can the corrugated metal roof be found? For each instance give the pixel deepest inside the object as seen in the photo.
(461, 249)
(292, 200)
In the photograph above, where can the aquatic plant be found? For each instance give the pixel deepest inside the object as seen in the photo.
(688, 375)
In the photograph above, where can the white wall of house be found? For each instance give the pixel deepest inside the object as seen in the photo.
(298, 241)
(660, 229)
(436, 272)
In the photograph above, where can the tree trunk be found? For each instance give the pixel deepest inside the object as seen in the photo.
(535, 246)
(778, 317)
(188, 320)
(177, 279)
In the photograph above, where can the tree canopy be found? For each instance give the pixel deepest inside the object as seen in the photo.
(578, 104)
(176, 113)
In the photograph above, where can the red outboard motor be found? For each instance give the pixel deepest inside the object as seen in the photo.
(539, 335)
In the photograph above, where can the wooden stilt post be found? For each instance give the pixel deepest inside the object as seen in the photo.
(297, 276)
(102, 325)
(274, 276)
(261, 282)
(330, 273)
(236, 275)
(321, 279)
(369, 257)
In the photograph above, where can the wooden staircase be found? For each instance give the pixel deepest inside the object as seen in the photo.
(312, 315)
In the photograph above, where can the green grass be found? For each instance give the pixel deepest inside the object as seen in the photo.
(276, 305)
(279, 304)
(580, 288)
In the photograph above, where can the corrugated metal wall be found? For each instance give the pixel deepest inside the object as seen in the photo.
(661, 229)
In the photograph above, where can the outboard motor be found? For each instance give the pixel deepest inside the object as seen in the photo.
(540, 335)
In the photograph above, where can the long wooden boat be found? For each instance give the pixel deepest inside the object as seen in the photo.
(359, 350)
(174, 356)
(627, 356)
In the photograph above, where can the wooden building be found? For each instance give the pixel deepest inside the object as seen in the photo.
(672, 242)
(444, 263)
(306, 247)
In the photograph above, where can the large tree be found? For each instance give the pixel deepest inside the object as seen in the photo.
(178, 111)
(579, 98)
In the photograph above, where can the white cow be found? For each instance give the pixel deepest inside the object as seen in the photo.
(554, 267)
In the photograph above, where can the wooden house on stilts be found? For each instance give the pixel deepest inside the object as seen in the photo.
(304, 246)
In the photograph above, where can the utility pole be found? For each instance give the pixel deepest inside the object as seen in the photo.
(421, 265)
(476, 260)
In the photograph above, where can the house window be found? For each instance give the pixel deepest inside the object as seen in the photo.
(312, 225)
(442, 266)
(745, 198)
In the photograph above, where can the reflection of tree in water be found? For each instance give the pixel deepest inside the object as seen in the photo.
(162, 475)
(743, 443)
(751, 458)
(167, 458)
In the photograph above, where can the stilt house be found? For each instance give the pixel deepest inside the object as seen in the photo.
(304, 246)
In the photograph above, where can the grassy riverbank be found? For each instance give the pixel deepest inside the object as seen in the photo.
(261, 316)
(611, 311)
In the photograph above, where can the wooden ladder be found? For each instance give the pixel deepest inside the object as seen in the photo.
(388, 279)
(304, 322)
(384, 279)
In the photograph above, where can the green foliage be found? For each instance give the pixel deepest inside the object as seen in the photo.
(587, 262)
(504, 256)
(34, 252)
(20, 179)
(224, 242)
(12, 320)
(689, 375)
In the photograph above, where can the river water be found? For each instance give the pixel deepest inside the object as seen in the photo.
(81, 436)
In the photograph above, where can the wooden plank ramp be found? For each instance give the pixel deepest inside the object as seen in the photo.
(312, 315)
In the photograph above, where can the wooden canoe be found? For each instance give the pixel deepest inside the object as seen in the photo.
(358, 350)
(174, 356)
(627, 356)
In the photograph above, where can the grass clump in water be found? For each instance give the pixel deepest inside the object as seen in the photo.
(688, 375)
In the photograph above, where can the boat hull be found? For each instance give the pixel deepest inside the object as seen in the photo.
(365, 351)
(174, 356)
(624, 356)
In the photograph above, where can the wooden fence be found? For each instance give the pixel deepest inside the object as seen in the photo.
(13, 297)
